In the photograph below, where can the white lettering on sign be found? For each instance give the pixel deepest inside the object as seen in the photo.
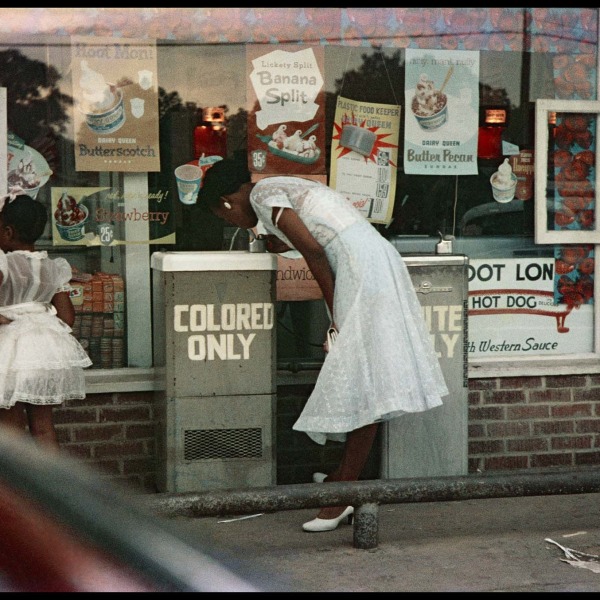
(445, 324)
(218, 329)
(225, 346)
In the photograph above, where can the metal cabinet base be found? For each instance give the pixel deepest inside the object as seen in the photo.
(215, 359)
(215, 443)
(434, 443)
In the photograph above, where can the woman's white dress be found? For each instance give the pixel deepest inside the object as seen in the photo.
(383, 363)
(41, 362)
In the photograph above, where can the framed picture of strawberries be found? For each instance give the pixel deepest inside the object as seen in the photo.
(566, 172)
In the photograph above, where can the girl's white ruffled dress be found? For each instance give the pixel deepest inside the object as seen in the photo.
(383, 363)
(41, 362)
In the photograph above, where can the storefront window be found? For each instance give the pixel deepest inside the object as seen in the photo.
(203, 111)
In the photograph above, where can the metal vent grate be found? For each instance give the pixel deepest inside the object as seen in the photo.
(207, 444)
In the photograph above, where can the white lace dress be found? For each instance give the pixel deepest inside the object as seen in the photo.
(383, 363)
(41, 362)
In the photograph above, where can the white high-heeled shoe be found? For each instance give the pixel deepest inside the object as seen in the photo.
(319, 477)
(329, 524)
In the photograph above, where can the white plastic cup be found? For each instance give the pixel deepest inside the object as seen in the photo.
(188, 182)
(504, 194)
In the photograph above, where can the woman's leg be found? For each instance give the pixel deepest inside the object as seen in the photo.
(41, 425)
(354, 458)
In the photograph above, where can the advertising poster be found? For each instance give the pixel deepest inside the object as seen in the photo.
(442, 112)
(364, 156)
(97, 216)
(27, 170)
(115, 94)
(514, 310)
(286, 110)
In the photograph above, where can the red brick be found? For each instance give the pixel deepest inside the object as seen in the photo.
(486, 446)
(586, 395)
(121, 414)
(482, 384)
(83, 415)
(140, 431)
(554, 395)
(77, 450)
(520, 382)
(506, 462)
(537, 411)
(550, 427)
(512, 429)
(120, 450)
(572, 411)
(503, 397)
(474, 398)
(571, 381)
(587, 426)
(486, 413)
(571, 443)
(587, 458)
(527, 445)
(475, 430)
(552, 460)
(96, 433)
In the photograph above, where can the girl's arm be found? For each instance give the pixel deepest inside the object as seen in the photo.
(64, 307)
(314, 254)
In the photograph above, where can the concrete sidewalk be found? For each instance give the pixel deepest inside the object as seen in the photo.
(483, 545)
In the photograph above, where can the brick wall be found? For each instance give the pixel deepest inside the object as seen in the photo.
(113, 434)
(534, 422)
(514, 423)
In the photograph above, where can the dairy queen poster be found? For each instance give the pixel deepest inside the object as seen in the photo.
(442, 112)
(116, 104)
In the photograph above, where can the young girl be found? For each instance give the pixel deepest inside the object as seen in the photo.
(41, 362)
(382, 363)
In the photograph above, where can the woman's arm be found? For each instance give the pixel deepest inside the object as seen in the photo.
(64, 307)
(314, 254)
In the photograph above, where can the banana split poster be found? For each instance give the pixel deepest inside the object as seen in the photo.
(286, 110)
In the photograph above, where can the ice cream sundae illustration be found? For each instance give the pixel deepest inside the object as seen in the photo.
(299, 146)
(25, 175)
(70, 217)
(102, 102)
(430, 106)
(504, 182)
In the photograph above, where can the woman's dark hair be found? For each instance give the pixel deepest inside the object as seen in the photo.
(224, 177)
(27, 216)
